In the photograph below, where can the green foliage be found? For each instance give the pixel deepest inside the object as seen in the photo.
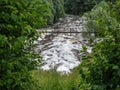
(100, 21)
(97, 17)
(80, 6)
(17, 58)
(51, 80)
(18, 21)
(39, 12)
(58, 11)
(51, 10)
(101, 69)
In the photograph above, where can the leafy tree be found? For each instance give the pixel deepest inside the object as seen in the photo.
(80, 6)
(58, 11)
(101, 69)
(100, 14)
(18, 21)
(17, 57)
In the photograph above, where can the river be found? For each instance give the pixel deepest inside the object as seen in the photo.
(61, 51)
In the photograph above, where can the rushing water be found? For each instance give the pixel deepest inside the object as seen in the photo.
(62, 51)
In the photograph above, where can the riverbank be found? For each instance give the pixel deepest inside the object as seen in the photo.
(52, 80)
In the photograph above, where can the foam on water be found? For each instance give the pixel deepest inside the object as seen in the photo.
(62, 51)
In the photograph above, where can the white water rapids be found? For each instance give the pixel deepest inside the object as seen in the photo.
(62, 51)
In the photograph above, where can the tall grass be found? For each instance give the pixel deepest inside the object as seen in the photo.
(51, 80)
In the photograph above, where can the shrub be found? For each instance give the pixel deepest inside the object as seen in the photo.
(17, 58)
(101, 69)
(78, 7)
(97, 18)
(58, 9)
(18, 21)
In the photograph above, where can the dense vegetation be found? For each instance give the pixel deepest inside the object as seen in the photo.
(52, 80)
(19, 20)
(101, 69)
(78, 7)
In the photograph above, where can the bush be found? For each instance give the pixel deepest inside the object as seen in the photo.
(58, 9)
(78, 7)
(101, 69)
(17, 58)
(39, 13)
(18, 21)
(100, 21)
(97, 19)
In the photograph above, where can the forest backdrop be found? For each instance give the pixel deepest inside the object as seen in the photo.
(19, 20)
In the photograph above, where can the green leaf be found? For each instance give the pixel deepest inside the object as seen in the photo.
(115, 67)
